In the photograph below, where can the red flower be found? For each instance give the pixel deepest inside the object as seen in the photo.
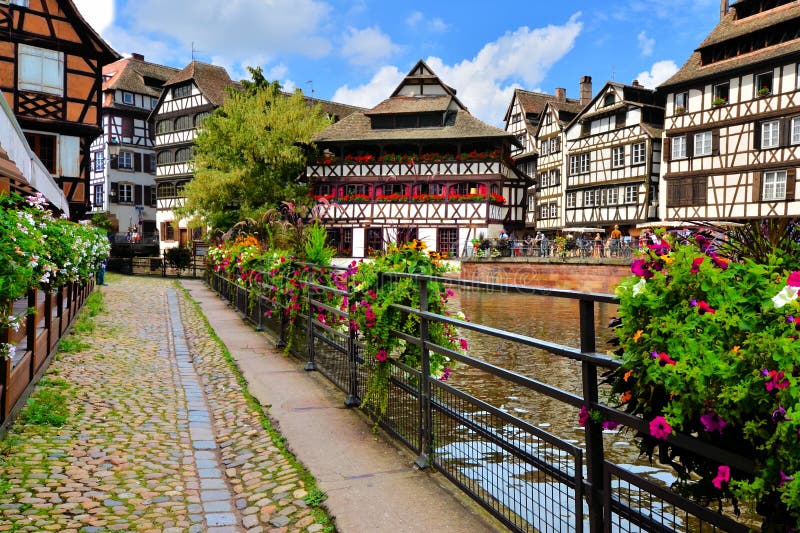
(696, 264)
(703, 308)
(794, 279)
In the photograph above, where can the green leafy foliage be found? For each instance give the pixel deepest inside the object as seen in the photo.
(709, 345)
(180, 257)
(316, 248)
(249, 152)
(47, 407)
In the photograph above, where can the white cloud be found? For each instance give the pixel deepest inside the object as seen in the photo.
(646, 43)
(98, 13)
(367, 47)
(660, 72)
(418, 20)
(244, 28)
(486, 82)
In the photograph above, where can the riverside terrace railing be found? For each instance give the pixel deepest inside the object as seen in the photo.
(47, 318)
(543, 483)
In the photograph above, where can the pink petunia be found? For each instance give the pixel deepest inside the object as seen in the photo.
(703, 308)
(464, 345)
(381, 356)
(794, 279)
(713, 422)
(664, 359)
(583, 416)
(640, 268)
(660, 428)
(723, 476)
(696, 264)
(610, 424)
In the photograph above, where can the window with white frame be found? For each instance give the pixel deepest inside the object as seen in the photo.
(98, 195)
(125, 161)
(721, 93)
(125, 192)
(544, 180)
(796, 130)
(182, 91)
(631, 194)
(571, 199)
(770, 134)
(553, 210)
(531, 202)
(99, 162)
(763, 85)
(584, 163)
(702, 143)
(774, 187)
(588, 198)
(639, 154)
(679, 147)
(617, 156)
(681, 102)
(555, 145)
(127, 98)
(612, 196)
(543, 147)
(543, 211)
(40, 70)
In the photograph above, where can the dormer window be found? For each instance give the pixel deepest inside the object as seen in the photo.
(609, 99)
(182, 91)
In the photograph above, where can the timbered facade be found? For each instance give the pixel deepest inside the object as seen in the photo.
(123, 158)
(51, 74)
(732, 139)
(522, 120)
(417, 165)
(612, 163)
(188, 97)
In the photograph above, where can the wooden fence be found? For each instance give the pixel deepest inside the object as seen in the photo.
(47, 317)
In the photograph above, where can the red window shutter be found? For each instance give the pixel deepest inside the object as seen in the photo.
(791, 183)
(137, 162)
(757, 186)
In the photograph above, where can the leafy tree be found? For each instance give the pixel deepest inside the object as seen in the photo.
(249, 153)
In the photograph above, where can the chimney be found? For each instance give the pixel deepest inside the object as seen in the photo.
(140, 57)
(586, 90)
(636, 83)
(561, 94)
(723, 8)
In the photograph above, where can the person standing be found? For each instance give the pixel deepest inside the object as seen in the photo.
(101, 272)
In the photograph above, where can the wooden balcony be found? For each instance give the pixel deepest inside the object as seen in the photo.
(471, 168)
(377, 212)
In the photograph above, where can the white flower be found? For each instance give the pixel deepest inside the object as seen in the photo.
(9, 350)
(461, 316)
(639, 287)
(788, 294)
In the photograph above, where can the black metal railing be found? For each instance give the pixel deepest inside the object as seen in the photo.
(532, 480)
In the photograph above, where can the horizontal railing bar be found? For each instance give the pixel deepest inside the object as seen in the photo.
(334, 310)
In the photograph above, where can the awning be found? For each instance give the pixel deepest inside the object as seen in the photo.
(690, 224)
(584, 230)
(13, 141)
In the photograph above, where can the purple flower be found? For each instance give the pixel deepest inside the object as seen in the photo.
(779, 414)
(445, 375)
(693, 303)
(790, 319)
(610, 424)
(660, 428)
(583, 416)
(784, 479)
(713, 422)
(464, 344)
(640, 268)
(723, 476)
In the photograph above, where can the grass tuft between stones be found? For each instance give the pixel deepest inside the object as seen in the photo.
(315, 497)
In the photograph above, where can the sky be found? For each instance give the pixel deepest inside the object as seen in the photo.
(357, 51)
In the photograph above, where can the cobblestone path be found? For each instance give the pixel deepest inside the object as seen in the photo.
(159, 436)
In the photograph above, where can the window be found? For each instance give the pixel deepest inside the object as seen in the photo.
(373, 240)
(612, 196)
(585, 163)
(152, 166)
(721, 93)
(639, 154)
(617, 156)
(164, 126)
(681, 102)
(359, 189)
(200, 117)
(631, 194)
(125, 192)
(589, 198)
(166, 190)
(571, 199)
(516, 117)
(125, 161)
(579, 164)
(679, 147)
(609, 99)
(555, 145)
(543, 147)
(98, 195)
(796, 130)
(702, 143)
(182, 91)
(429, 188)
(183, 123)
(168, 230)
(153, 103)
(447, 241)
(763, 85)
(554, 210)
(127, 98)
(543, 212)
(769, 134)
(44, 146)
(165, 158)
(40, 70)
(774, 187)
(544, 180)
(23, 3)
(183, 155)
(99, 162)
(152, 196)
(684, 192)
(394, 188)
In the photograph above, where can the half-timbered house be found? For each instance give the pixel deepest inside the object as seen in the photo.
(123, 158)
(732, 142)
(417, 165)
(51, 64)
(523, 120)
(613, 158)
(188, 97)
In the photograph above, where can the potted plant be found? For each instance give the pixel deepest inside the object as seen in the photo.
(719, 101)
(680, 110)
(764, 91)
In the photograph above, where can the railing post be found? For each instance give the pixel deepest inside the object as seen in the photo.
(30, 331)
(425, 418)
(311, 363)
(594, 430)
(282, 342)
(352, 399)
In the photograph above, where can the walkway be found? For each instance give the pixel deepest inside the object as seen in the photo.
(161, 437)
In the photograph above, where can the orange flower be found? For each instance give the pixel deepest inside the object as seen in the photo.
(628, 374)
(735, 349)
(625, 398)
(637, 335)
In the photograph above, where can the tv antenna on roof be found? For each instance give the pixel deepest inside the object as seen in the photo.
(194, 50)
(311, 82)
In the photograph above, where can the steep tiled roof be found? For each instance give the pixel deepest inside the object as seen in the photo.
(730, 29)
(411, 104)
(129, 75)
(334, 109)
(211, 79)
(358, 127)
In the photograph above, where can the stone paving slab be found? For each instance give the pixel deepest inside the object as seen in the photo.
(159, 436)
